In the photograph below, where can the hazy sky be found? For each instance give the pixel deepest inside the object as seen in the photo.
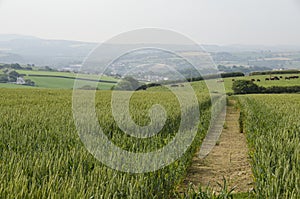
(268, 22)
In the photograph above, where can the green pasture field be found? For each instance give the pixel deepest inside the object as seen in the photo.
(282, 82)
(228, 82)
(38, 72)
(59, 82)
(63, 83)
(66, 74)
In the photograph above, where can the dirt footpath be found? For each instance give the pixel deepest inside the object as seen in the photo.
(229, 158)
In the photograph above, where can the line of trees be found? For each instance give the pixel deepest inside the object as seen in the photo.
(215, 76)
(15, 66)
(275, 72)
(248, 87)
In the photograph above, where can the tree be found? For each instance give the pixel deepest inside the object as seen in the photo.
(245, 87)
(128, 83)
(13, 75)
(3, 78)
(47, 68)
(29, 82)
(28, 67)
(15, 66)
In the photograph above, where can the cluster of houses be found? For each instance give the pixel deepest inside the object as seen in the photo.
(20, 81)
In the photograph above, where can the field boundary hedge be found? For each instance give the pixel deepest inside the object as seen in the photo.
(275, 72)
(248, 87)
(66, 77)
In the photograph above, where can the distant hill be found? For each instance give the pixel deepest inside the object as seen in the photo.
(63, 53)
(55, 53)
(250, 48)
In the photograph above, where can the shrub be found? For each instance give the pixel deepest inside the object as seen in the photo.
(29, 82)
(128, 83)
(278, 89)
(275, 72)
(245, 87)
(248, 87)
(3, 78)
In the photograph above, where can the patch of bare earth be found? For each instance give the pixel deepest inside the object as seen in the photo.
(229, 158)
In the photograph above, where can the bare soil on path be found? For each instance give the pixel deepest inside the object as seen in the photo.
(229, 159)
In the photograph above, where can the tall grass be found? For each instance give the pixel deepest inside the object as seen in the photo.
(272, 125)
(207, 192)
(42, 156)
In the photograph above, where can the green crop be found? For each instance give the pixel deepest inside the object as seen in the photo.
(42, 156)
(272, 125)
